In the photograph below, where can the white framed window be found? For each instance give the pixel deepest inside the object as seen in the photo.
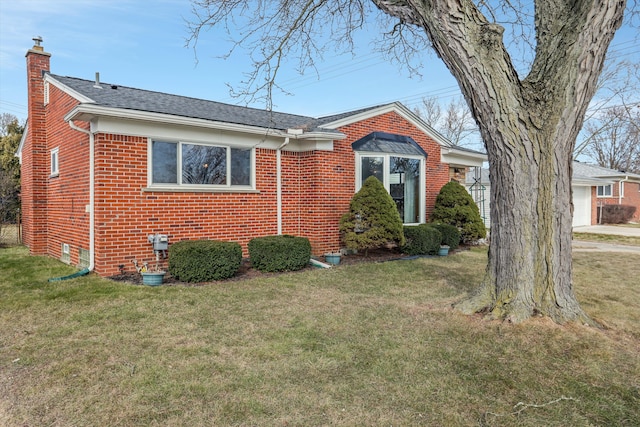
(402, 176)
(604, 190)
(200, 165)
(55, 162)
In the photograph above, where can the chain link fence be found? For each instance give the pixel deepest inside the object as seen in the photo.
(10, 235)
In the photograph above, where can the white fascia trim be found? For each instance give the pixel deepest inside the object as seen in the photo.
(18, 152)
(623, 178)
(67, 89)
(393, 107)
(590, 182)
(452, 156)
(87, 112)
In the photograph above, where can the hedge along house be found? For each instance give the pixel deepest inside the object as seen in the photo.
(104, 166)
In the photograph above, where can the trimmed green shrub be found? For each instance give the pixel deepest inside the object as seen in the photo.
(421, 239)
(279, 253)
(204, 260)
(455, 206)
(450, 234)
(373, 220)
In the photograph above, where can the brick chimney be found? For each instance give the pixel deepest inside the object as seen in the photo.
(35, 154)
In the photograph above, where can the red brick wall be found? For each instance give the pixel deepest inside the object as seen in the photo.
(631, 196)
(35, 157)
(317, 188)
(67, 193)
(326, 180)
(126, 214)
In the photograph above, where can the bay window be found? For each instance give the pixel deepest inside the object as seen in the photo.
(399, 163)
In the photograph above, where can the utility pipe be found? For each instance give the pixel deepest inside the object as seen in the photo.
(92, 245)
(621, 188)
(279, 184)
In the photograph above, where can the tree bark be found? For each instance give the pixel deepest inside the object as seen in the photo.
(529, 127)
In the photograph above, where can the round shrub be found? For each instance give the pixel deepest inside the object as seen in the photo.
(421, 240)
(279, 253)
(455, 206)
(204, 260)
(373, 220)
(450, 234)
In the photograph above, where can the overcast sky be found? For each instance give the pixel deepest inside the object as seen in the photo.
(142, 44)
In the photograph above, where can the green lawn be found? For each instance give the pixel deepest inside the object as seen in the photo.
(607, 238)
(360, 345)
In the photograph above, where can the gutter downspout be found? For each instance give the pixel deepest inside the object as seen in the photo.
(290, 133)
(92, 245)
(621, 188)
(279, 184)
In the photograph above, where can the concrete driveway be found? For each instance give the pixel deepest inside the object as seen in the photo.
(609, 229)
(583, 246)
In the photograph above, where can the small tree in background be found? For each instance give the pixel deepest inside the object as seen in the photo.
(10, 135)
(373, 220)
(455, 206)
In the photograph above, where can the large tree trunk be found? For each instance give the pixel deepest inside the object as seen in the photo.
(529, 128)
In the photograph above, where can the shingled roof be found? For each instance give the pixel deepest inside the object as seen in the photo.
(115, 96)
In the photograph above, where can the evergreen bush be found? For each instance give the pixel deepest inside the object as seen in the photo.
(450, 234)
(421, 239)
(455, 206)
(204, 260)
(279, 253)
(373, 220)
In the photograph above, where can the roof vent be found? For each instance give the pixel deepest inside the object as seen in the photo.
(97, 83)
(114, 87)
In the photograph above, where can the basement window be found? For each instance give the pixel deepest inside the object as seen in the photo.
(65, 253)
(55, 162)
(83, 257)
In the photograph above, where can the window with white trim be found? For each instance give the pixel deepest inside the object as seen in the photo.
(399, 163)
(604, 190)
(55, 171)
(198, 165)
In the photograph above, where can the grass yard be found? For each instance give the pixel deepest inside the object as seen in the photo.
(360, 345)
(607, 238)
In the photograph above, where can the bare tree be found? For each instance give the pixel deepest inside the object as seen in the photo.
(455, 123)
(611, 133)
(529, 123)
(614, 139)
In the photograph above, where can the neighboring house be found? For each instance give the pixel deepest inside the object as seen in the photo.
(595, 186)
(105, 166)
(592, 186)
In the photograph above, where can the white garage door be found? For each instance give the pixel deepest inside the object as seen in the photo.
(581, 206)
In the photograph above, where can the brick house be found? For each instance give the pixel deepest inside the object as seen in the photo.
(595, 186)
(104, 166)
